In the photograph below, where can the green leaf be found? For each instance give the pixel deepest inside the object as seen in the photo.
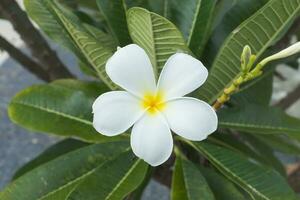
(259, 181)
(270, 120)
(222, 8)
(160, 7)
(49, 154)
(112, 181)
(156, 35)
(63, 108)
(266, 152)
(138, 3)
(57, 178)
(42, 14)
(138, 192)
(105, 39)
(236, 144)
(90, 88)
(250, 148)
(115, 15)
(221, 187)
(194, 19)
(259, 31)
(280, 143)
(94, 51)
(259, 91)
(64, 27)
(231, 13)
(188, 183)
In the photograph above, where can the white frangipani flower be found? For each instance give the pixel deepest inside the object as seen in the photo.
(154, 110)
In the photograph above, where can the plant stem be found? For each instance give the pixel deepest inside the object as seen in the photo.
(24, 60)
(228, 92)
(38, 46)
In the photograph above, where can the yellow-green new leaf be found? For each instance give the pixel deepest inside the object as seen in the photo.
(258, 31)
(158, 36)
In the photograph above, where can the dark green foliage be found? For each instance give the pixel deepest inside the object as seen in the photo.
(236, 163)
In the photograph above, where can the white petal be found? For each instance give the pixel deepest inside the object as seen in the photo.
(131, 69)
(191, 118)
(151, 139)
(181, 75)
(115, 112)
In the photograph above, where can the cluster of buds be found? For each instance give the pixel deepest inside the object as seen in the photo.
(248, 72)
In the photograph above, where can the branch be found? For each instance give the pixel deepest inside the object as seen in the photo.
(24, 60)
(38, 46)
(290, 99)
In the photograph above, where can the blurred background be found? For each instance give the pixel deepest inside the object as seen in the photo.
(19, 43)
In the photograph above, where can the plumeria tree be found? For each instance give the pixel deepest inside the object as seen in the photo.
(180, 93)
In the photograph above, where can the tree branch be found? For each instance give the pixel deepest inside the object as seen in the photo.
(290, 99)
(24, 60)
(38, 46)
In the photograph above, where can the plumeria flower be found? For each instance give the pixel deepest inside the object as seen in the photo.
(154, 109)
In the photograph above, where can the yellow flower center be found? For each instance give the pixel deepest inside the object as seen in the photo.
(153, 102)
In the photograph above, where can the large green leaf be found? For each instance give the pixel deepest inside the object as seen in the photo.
(138, 192)
(62, 108)
(188, 183)
(161, 7)
(230, 14)
(158, 36)
(222, 8)
(64, 27)
(259, 31)
(40, 11)
(221, 187)
(94, 51)
(115, 15)
(259, 119)
(194, 19)
(112, 181)
(56, 179)
(49, 154)
(250, 148)
(105, 39)
(265, 151)
(259, 181)
(280, 143)
(259, 91)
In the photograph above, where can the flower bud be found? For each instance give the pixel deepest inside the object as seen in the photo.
(293, 49)
(245, 57)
